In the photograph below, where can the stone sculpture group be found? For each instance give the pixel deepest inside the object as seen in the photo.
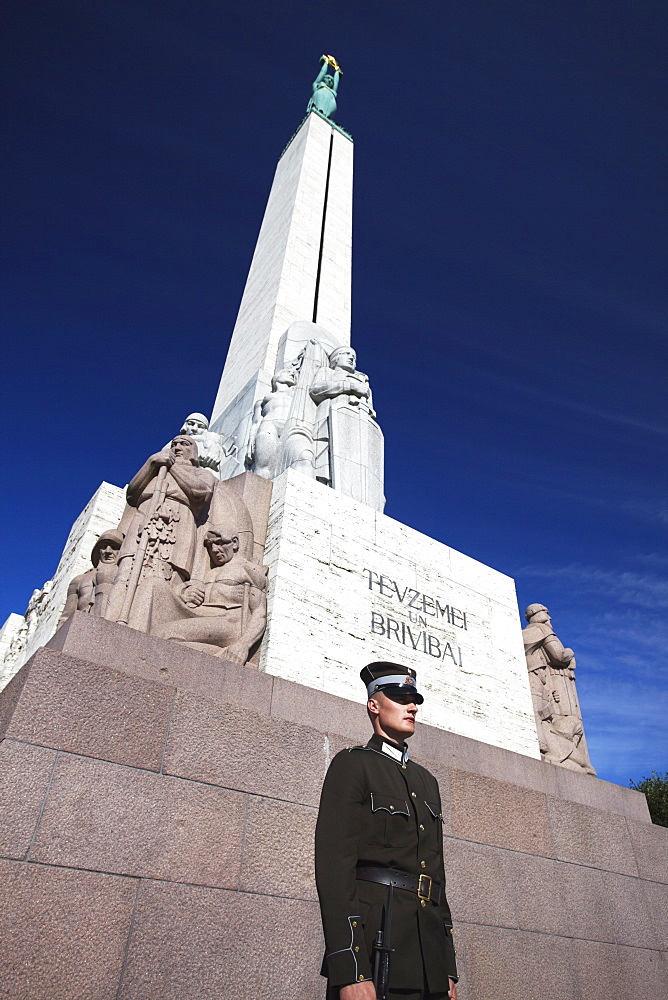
(551, 668)
(319, 419)
(181, 564)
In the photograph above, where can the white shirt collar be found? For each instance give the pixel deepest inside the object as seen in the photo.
(395, 753)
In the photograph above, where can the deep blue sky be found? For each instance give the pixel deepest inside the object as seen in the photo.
(509, 250)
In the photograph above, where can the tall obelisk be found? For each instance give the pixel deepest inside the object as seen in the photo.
(301, 268)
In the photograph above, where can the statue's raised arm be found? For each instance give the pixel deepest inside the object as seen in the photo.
(325, 87)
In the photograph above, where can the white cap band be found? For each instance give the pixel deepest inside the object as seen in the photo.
(380, 682)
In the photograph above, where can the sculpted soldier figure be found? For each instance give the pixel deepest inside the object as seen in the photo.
(210, 446)
(551, 668)
(269, 417)
(348, 441)
(226, 614)
(379, 859)
(90, 591)
(168, 493)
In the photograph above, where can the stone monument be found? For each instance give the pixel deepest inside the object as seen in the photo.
(551, 668)
(163, 755)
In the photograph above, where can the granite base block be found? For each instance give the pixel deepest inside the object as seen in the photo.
(160, 807)
(63, 933)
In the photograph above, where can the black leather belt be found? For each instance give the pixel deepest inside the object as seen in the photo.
(423, 886)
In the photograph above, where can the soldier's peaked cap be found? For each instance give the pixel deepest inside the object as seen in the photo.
(390, 678)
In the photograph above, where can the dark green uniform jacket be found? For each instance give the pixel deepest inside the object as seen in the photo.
(381, 809)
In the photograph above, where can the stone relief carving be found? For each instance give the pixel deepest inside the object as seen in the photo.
(319, 419)
(348, 440)
(184, 563)
(167, 494)
(90, 591)
(551, 668)
(32, 617)
(212, 448)
(270, 415)
(225, 613)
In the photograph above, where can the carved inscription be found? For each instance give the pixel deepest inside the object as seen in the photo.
(419, 607)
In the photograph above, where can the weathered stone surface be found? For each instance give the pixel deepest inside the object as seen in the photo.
(278, 849)
(323, 635)
(591, 837)
(495, 812)
(193, 943)
(504, 965)
(110, 818)
(9, 697)
(24, 779)
(480, 888)
(64, 933)
(217, 743)
(130, 651)
(585, 903)
(538, 887)
(630, 910)
(600, 794)
(598, 970)
(646, 972)
(650, 848)
(656, 896)
(73, 705)
(300, 704)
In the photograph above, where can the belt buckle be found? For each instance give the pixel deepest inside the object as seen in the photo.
(421, 894)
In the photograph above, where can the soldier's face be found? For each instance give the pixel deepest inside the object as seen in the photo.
(193, 426)
(394, 715)
(108, 552)
(221, 549)
(184, 448)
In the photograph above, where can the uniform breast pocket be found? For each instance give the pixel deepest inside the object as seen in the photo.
(390, 819)
(435, 824)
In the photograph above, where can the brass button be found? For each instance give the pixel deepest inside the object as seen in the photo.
(360, 979)
(414, 795)
(357, 947)
(423, 864)
(421, 826)
(403, 767)
(423, 902)
(391, 808)
(354, 923)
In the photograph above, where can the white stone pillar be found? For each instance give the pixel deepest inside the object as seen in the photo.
(301, 268)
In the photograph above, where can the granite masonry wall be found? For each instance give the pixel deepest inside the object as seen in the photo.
(156, 840)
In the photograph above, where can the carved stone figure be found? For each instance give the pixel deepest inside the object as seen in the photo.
(348, 441)
(551, 668)
(90, 591)
(169, 493)
(36, 605)
(225, 613)
(211, 447)
(269, 417)
(325, 87)
(319, 419)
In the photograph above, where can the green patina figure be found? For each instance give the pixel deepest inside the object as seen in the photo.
(325, 87)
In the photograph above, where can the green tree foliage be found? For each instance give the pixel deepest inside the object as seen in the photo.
(656, 790)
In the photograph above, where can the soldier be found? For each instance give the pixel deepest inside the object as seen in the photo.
(380, 825)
